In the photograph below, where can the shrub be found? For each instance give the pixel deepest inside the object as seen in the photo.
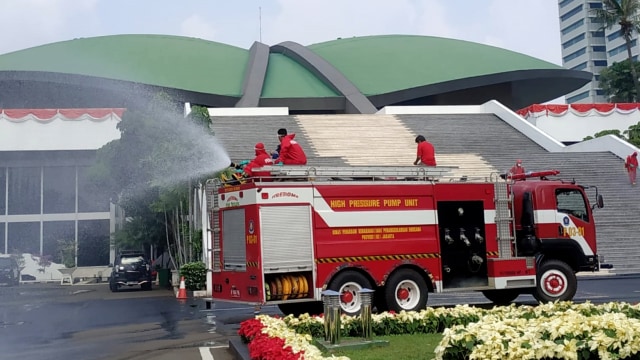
(195, 275)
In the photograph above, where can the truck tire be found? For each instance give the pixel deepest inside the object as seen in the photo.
(299, 308)
(556, 282)
(348, 283)
(113, 287)
(502, 296)
(406, 290)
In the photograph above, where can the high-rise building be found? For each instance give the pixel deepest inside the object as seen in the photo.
(587, 46)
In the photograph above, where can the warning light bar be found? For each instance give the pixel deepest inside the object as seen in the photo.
(534, 174)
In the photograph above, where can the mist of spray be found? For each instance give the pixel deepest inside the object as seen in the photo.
(167, 149)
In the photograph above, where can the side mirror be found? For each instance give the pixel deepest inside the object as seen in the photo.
(600, 201)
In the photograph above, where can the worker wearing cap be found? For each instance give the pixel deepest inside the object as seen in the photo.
(426, 152)
(517, 169)
(291, 152)
(262, 159)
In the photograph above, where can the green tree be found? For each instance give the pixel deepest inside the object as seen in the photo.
(616, 81)
(631, 135)
(624, 15)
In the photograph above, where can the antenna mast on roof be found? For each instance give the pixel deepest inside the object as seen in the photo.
(260, 21)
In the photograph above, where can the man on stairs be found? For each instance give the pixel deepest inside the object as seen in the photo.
(631, 164)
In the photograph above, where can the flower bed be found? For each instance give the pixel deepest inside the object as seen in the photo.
(552, 331)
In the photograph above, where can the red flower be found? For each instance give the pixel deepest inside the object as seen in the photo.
(250, 328)
(262, 346)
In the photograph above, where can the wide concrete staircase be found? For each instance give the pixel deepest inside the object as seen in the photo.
(500, 145)
(239, 135)
(379, 140)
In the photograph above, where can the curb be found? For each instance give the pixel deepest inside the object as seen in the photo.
(238, 349)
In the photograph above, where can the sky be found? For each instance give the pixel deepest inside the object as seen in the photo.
(525, 26)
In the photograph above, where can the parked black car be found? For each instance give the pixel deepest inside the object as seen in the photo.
(131, 268)
(9, 270)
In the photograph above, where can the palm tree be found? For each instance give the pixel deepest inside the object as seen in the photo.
(626, 15)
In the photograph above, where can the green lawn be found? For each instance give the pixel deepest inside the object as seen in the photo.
(401, 347)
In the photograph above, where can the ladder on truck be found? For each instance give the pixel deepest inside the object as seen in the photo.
(356, 172)
(505, 222)
(213, 226)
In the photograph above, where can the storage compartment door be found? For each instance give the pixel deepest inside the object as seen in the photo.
(286, 238)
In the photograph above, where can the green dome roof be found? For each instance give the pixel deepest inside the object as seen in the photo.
(383, 70)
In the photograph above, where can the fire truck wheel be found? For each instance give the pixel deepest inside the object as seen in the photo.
(502, 296)
(556, 282)
(406, 290)
(348, 284)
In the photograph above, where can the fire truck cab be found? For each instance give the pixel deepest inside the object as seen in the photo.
(401, 231)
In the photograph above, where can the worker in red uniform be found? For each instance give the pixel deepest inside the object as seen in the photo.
(426, 152)
(262, 159)
(517, 169)
(291, 152)
(631, 164)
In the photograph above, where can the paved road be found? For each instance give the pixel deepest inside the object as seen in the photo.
(89, 322)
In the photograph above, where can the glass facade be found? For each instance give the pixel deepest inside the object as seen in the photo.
(24, 237)
(41, 206)
(90, 197)
(59, 190)
(53, 234)
(24, 190)
(3, 188)
(2, 243)
(93, 242)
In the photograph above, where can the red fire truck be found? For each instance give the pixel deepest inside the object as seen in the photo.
(401, 231)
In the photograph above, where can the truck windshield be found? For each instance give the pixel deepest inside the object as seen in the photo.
(571, 202)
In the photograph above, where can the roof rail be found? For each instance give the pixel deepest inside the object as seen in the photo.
(382, 172)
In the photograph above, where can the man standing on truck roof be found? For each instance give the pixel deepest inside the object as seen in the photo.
(631, 164)
(517, 169)
(426, 152)
(291, 152)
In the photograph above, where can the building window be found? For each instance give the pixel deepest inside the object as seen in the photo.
(578, 97)
(24, 190)
(597, 34)
(597, 5)
(54, 235)
(596, 77)
(580, 67)
(614, 35)
(3, 249)
(564, 3)
(571, 12)
(59, 189)
(572, 27)
(574, 55)
(600, 63)
(24, 237)
(93, 242)
(90, 197)
(599, 92)
(3, 192)
(599, 48)
(595, 20)
(573, 41)
(622, 48)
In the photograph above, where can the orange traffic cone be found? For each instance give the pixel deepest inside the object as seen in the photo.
(182, 292)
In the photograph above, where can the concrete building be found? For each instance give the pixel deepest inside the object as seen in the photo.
(586, 46)
(45, 194)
